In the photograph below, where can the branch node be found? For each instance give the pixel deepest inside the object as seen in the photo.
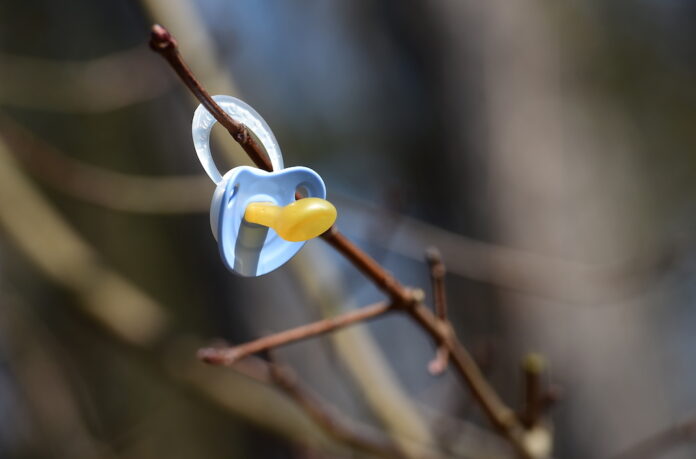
(242, 136)
(434, 259)
(218, 356)
(417, 296)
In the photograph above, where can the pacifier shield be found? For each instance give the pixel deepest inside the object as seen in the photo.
(246, 248)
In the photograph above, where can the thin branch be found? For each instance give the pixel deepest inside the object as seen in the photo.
(437, 277)
(437, 280)
(325, 416)
(402, 298)
(382, 278)
(502, 417)
(163, 43)
(328, 419)
(230, 355)
(658, 444)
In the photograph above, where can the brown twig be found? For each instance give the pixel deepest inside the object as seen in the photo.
(367, 265)
(659, 443)
(437, 280)
(325, 416)
(402, 298)
(231, 355)
(165, 45)
(437, 277)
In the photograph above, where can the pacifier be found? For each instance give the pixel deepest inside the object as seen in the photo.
(254, 216)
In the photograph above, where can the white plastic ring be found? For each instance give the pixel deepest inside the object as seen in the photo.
(240, 111)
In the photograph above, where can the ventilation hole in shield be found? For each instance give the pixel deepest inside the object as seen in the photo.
(301, 192)
(235, 189)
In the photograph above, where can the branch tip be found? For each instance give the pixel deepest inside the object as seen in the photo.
(417, 295)
(534, 363)
(217, 356)
(433, 255)
(439, 363)
(161, 39)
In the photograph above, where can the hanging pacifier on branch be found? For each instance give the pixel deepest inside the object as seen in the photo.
(258, 223)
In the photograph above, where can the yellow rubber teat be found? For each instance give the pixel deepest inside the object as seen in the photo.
(298, 221)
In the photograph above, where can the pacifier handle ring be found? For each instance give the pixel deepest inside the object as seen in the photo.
(240, 111)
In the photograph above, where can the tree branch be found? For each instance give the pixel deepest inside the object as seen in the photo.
(437, 280)
(324, 415)
(402, 298)
(165, 45)
(230, 355)
(437, 277)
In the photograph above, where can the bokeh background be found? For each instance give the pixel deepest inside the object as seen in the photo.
(547, 149)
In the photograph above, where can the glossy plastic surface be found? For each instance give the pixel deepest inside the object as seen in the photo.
(298, 221)
(250, 249)
(203, 123)
(247, 248)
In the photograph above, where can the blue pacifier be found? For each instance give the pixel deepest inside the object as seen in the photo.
(255, 218)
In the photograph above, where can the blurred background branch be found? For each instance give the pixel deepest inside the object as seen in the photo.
(78, 87)
(111, 302)
(661, 443)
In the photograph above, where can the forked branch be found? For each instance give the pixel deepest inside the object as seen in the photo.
(401, 298)
(321, 413)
